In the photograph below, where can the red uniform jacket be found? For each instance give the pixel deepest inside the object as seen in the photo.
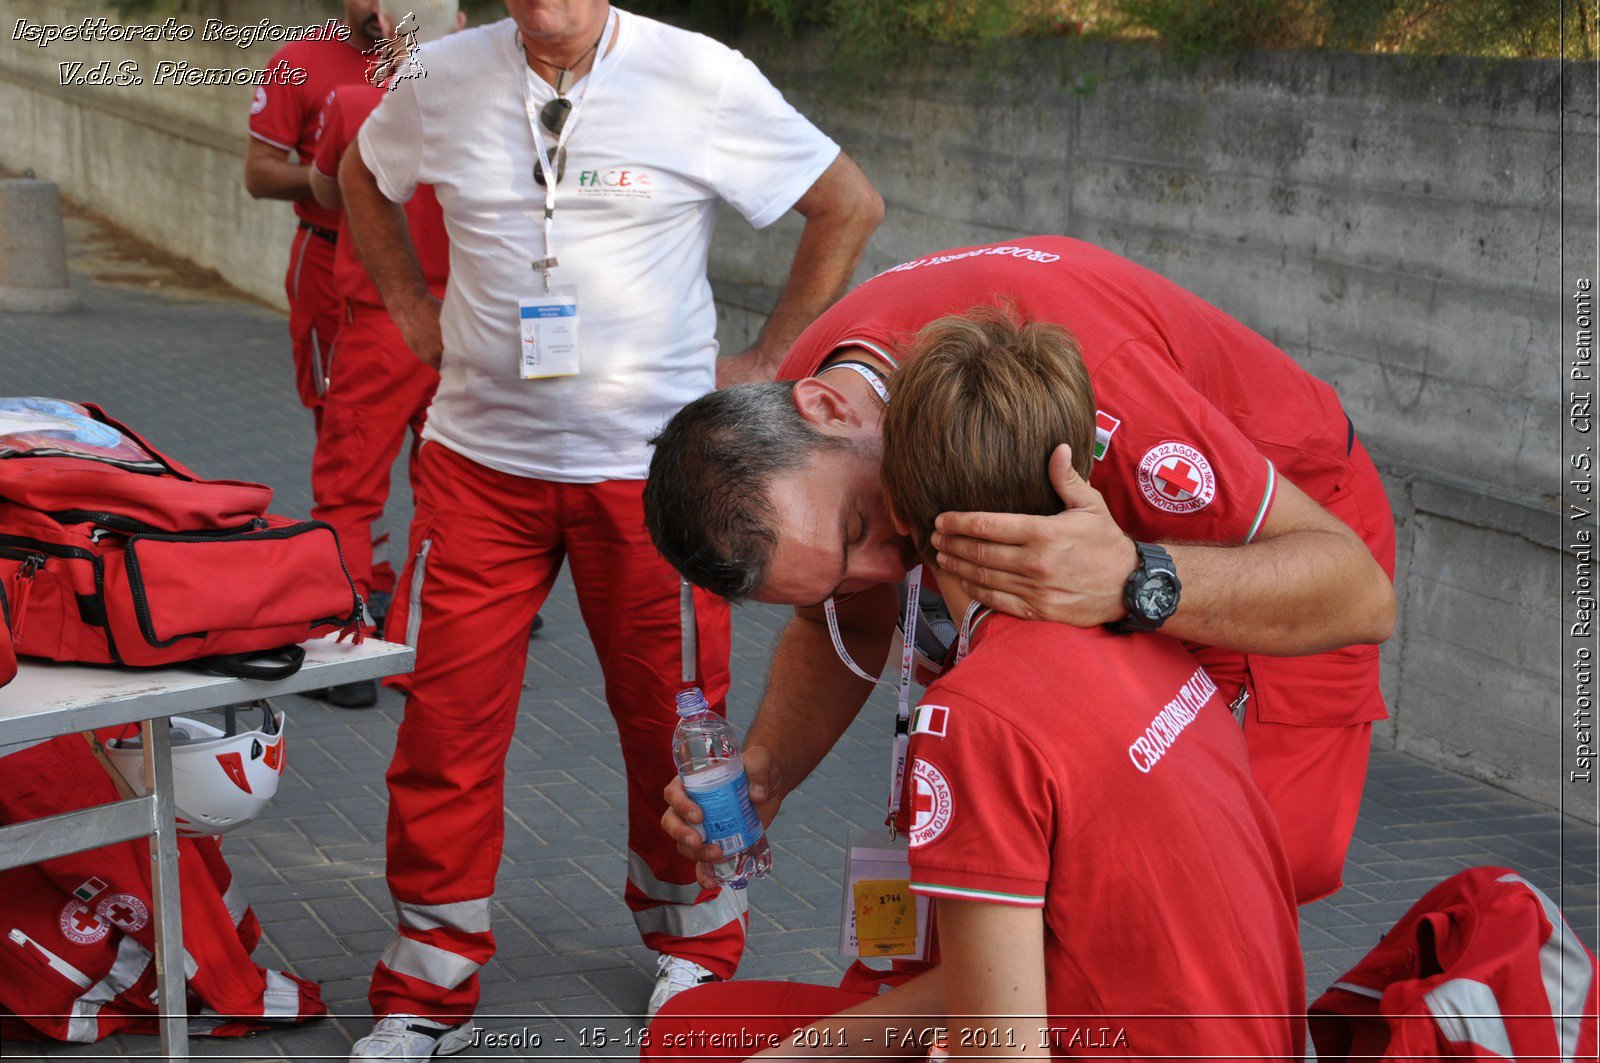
(1482, 967)
(77, 934)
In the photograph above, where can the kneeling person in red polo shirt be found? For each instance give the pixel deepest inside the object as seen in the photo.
(1080, 803)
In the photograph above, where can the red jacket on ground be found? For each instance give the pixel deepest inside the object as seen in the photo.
(77, 933)
(1482, 967)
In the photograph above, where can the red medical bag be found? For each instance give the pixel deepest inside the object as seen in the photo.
(145, 563)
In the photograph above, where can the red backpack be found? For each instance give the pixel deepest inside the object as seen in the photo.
(132, 559)
(8, 655)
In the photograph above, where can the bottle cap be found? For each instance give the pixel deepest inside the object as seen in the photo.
(691, 701)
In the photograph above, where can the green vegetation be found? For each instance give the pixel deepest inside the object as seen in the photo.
(1187, 28)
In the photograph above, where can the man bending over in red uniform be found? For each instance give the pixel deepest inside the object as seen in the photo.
(1079, 802)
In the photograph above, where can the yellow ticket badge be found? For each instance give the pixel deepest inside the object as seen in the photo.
(886, 917)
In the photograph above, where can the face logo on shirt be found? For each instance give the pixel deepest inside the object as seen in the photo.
(932, 803)
(80, 925)
(930, 720)
(621, 182)
(1177, 478)
(123, 911)
(259, 102)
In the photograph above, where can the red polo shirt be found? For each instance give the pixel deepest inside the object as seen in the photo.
(288, 115)
(342, 118)
(1100, 777)
(1198, 417)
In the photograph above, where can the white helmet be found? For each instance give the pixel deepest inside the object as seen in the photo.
(222, 777)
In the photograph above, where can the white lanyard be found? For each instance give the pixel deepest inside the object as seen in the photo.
(866, 373)
(547, 158)
(976, 612)
(902, 720)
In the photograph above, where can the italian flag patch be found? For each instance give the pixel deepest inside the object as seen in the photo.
(1105, 426)
(89, 890)
(930, 720)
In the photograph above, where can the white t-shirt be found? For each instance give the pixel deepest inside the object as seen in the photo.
(673, 122)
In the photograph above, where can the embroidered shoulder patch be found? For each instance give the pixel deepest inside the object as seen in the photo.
(932, 803)
(1177, 478)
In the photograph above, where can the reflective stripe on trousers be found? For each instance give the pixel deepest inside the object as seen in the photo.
(280, 999)
(679, 915)
(427, 963)
(469, 917)
(419, 576)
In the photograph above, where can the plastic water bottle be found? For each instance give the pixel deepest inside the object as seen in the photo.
(708, 758)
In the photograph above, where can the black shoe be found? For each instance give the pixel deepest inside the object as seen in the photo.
(362, 694)
(538, 623)
(378, 611)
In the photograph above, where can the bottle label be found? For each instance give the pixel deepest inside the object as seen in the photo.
(723, 794)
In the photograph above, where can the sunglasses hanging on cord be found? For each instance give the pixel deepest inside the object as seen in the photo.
(553, 115)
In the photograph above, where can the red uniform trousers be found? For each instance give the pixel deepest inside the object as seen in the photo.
(727, 1021)
(485, 549)
(376, 390)
(314, 313)
(1311, 767)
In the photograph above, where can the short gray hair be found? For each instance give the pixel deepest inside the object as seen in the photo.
(707, 500)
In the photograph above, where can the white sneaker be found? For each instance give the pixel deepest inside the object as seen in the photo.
(409, 1038)
(674, 974)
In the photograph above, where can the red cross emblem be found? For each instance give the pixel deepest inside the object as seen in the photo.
(1177, 478)
(921, 804)
(125, 911)
(931, 802)
(80, 925)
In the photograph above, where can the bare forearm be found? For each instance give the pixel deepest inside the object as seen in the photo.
(811, 700)
(823, 263)
(1308, 584)
(325, 189)
(891, 1025)
(1287, 596)
(271, 178)
(811, 696)
(841, 210)
(383, 238)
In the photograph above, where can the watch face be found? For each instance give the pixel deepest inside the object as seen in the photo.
(1157, 599)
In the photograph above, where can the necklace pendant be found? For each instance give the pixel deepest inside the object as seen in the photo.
(564, 80)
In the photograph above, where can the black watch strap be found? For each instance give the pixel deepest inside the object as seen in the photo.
(1156, 573)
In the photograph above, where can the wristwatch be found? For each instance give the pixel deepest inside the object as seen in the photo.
(1151, 594)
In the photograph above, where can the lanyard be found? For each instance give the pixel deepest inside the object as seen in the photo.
(867, 373)
(547, 157)
(902, 719)
(976, 612)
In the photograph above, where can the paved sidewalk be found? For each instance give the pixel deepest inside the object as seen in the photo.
(208, 378)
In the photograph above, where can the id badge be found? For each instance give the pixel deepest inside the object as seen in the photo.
(879, 915)
(549, 333)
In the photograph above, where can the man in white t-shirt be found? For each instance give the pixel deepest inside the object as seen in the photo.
(578, 153)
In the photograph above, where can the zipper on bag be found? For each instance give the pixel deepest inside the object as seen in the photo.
(21, 549)
(258, 531)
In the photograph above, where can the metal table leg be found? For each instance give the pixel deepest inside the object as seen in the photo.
(173, 988)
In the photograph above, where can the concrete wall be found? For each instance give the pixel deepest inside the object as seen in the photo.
(1399, 227)
(165, 162)
(1395, 225)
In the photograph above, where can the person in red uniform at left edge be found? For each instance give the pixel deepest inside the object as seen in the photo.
(285, 119)
(377, 388)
